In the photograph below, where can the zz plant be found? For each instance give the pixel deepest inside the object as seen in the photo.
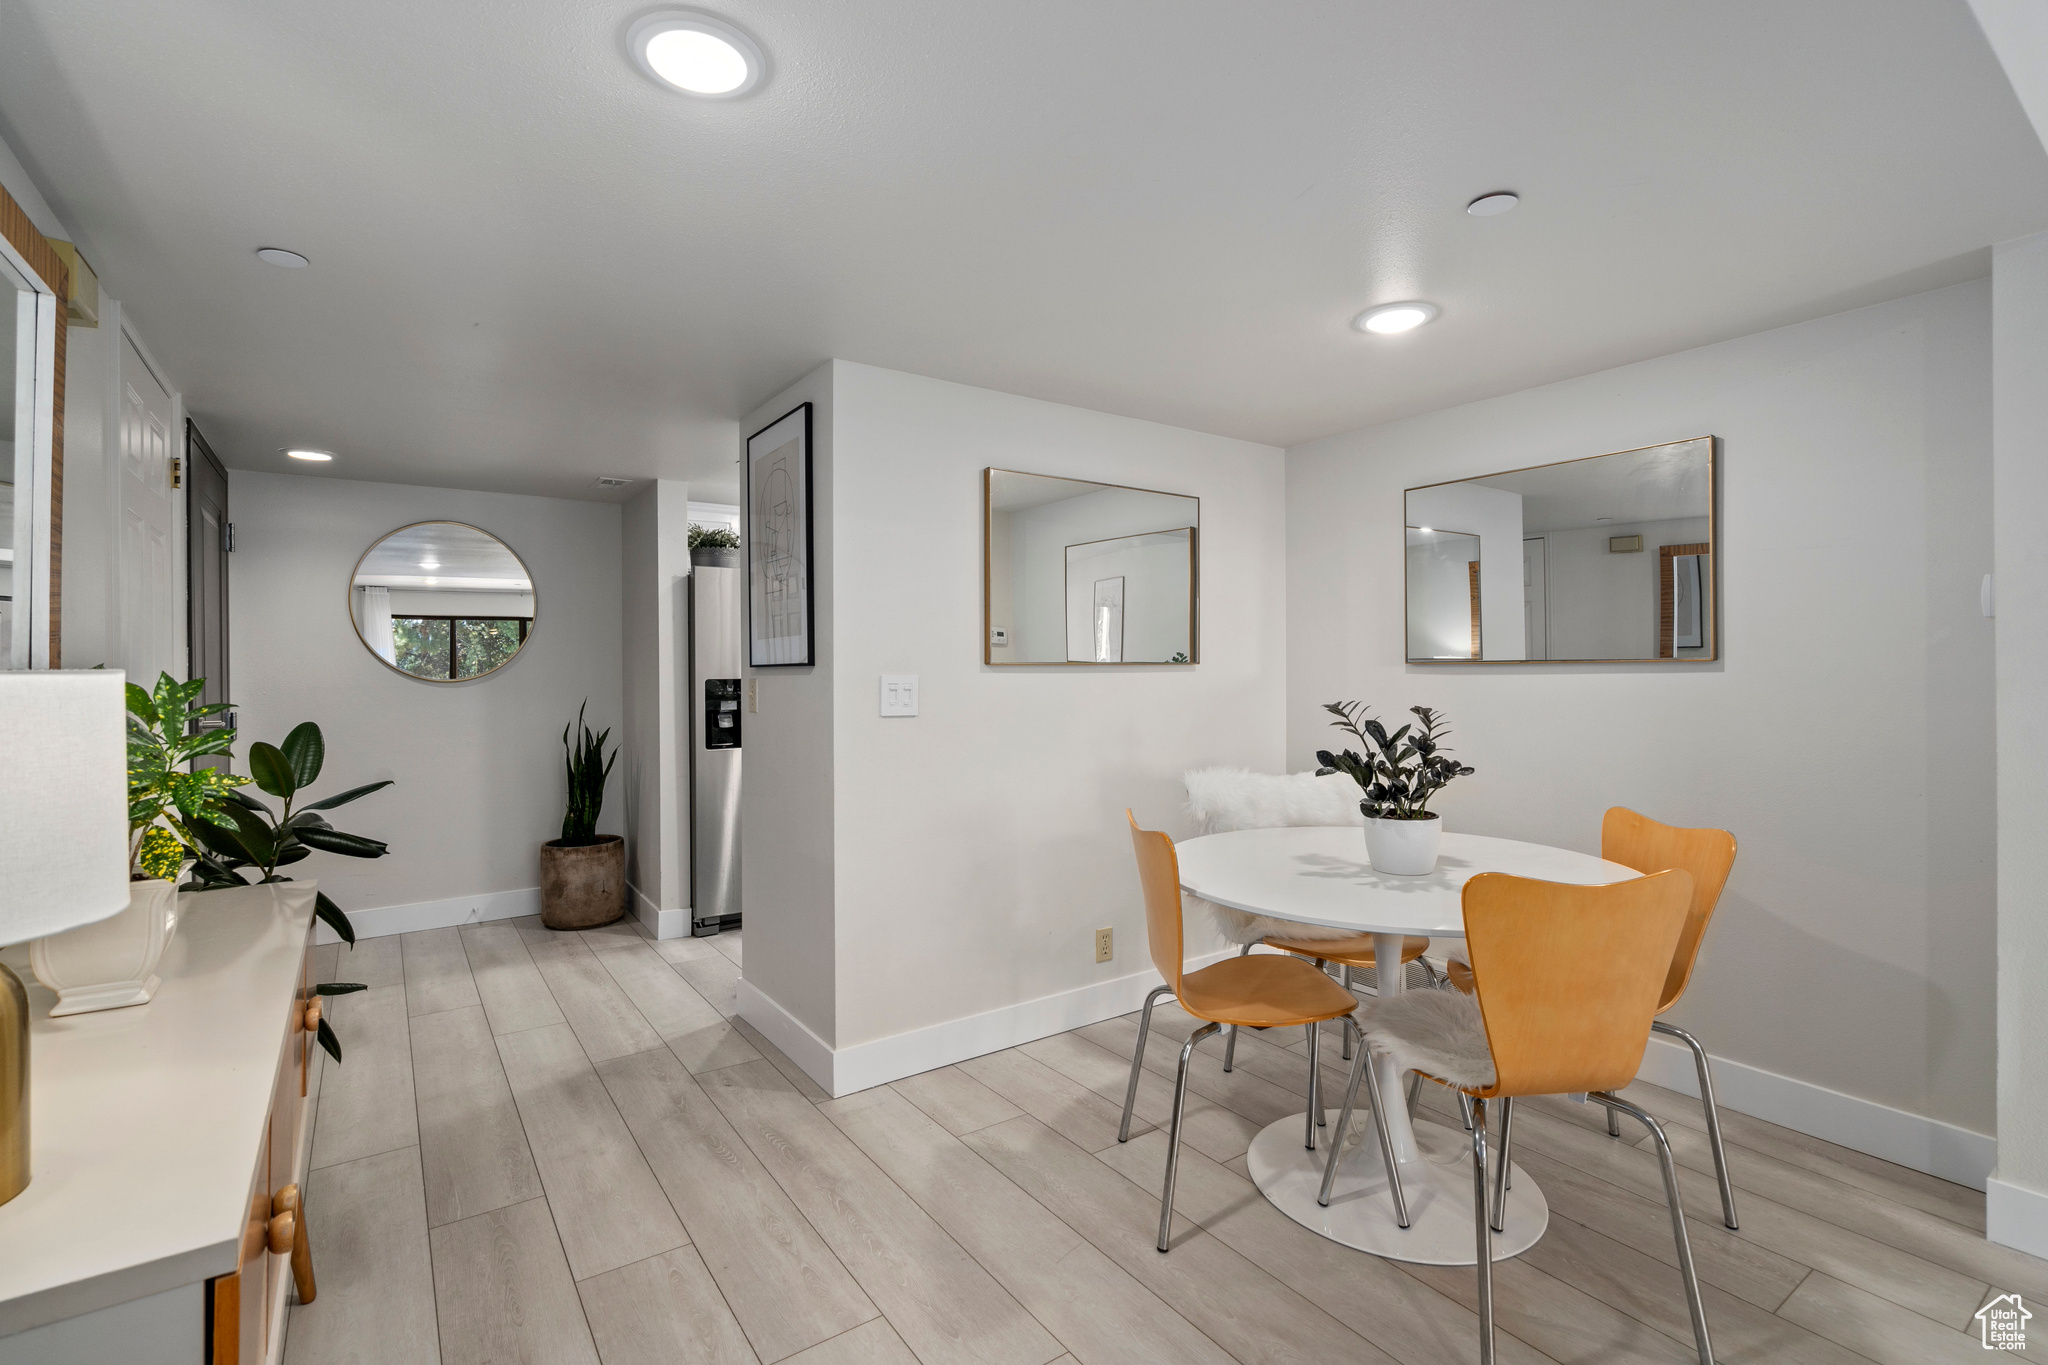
(1399, 772)
(257, 839)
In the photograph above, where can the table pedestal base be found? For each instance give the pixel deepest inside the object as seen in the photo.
(1361, 1212)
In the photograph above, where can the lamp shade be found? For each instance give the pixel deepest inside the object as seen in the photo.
(63, 801)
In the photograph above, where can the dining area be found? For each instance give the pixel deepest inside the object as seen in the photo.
(1550, 969)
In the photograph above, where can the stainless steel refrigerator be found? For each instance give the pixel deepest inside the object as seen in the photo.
(717, 633)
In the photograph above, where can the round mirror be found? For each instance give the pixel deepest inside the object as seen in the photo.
(442, 601)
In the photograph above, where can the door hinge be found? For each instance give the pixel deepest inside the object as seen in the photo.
(227, 537)
(177, 471)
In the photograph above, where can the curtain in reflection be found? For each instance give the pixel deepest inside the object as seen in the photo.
(377, 623)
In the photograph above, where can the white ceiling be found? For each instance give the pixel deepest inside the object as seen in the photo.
(1656, 483)
(531, 265)
(464, 559)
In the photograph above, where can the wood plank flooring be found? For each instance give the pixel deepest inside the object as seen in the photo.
(563, 1147)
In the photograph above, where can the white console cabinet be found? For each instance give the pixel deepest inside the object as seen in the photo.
(168, 1142)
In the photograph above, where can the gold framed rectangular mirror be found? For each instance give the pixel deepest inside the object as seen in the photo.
(1604, 559)
(1078, 572)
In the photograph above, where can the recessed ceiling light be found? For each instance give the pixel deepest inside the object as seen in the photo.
(1488, 205)
(1396, 317)
(696, 54)
(277, 255)
(430, 563)
(320, 456)
(1427, 530)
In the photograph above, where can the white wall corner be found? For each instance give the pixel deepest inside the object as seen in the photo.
(658, 922)
(2018, 33)
(812, 1054)
(1924, 1144)
(2016, 1216)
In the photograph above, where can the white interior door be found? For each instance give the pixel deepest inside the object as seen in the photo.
(1535, 583)
(149, 583)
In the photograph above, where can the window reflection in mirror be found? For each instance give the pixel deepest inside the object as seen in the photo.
(442, 601)
(1604, 559)
(1088, 573)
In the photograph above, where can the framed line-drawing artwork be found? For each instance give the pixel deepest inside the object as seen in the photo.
(780, 629)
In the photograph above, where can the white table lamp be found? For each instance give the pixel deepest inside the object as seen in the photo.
(63, 847)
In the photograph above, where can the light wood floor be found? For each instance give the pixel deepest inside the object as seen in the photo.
(560, 1148)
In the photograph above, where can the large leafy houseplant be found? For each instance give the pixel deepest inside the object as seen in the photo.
(257, 839)
(1399, 772)
(167, 798)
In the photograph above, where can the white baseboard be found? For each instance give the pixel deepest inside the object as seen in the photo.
(658, 923)
(1913, 1140)
(404, 919)
(842, 1071)
(2016, 1216)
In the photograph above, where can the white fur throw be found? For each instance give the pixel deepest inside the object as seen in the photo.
(1440, 1032)
(1237, 798)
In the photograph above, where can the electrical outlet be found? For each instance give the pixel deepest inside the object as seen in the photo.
(753, 697)
(1104, 944)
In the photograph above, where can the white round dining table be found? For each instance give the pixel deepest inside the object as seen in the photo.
(1320, 876)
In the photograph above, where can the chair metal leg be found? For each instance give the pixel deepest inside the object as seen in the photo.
(1500, 1172)
(1123, 1133)
(1379, 1123)
(1699, 1061)
(1613, 1124)
(1315, 1098)
(1482, 1232)
(1180, 1104)
(1343, 1120)
(1230, 1043)
(1465, 1109)
(1347, 1032)
(1414, 1091)
(1685, 1267)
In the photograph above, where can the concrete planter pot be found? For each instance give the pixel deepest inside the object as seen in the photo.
(716, 556)
(582, 885)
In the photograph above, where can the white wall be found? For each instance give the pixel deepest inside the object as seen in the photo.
(788, 848)
(1495, 516)
(2017, 1203)
(1602, 605)
(974, 849)
(1845, 738)
(478, 764)
(652, 774)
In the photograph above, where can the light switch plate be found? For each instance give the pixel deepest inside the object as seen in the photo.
(999, 637)
(899, 694)
(753, 697)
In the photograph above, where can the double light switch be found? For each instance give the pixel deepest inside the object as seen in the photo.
(899, 694)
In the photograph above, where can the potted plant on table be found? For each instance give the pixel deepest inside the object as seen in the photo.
(1398, 773)
(583, 873)
(258, 839)
(113, 963)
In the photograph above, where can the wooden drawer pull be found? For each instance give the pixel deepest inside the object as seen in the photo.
(311, 1020)
(288, 1205)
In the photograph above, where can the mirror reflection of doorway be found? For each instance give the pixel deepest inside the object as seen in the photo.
(1535, 586)
(1443, 604)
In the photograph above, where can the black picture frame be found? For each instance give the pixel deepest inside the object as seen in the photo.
(781, 572)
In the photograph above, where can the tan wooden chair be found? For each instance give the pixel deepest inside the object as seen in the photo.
(1566, 980)
(1261, 992)
(1644, 844)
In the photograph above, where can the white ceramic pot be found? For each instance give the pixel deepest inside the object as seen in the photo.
(1403, 848)
(112, 963)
